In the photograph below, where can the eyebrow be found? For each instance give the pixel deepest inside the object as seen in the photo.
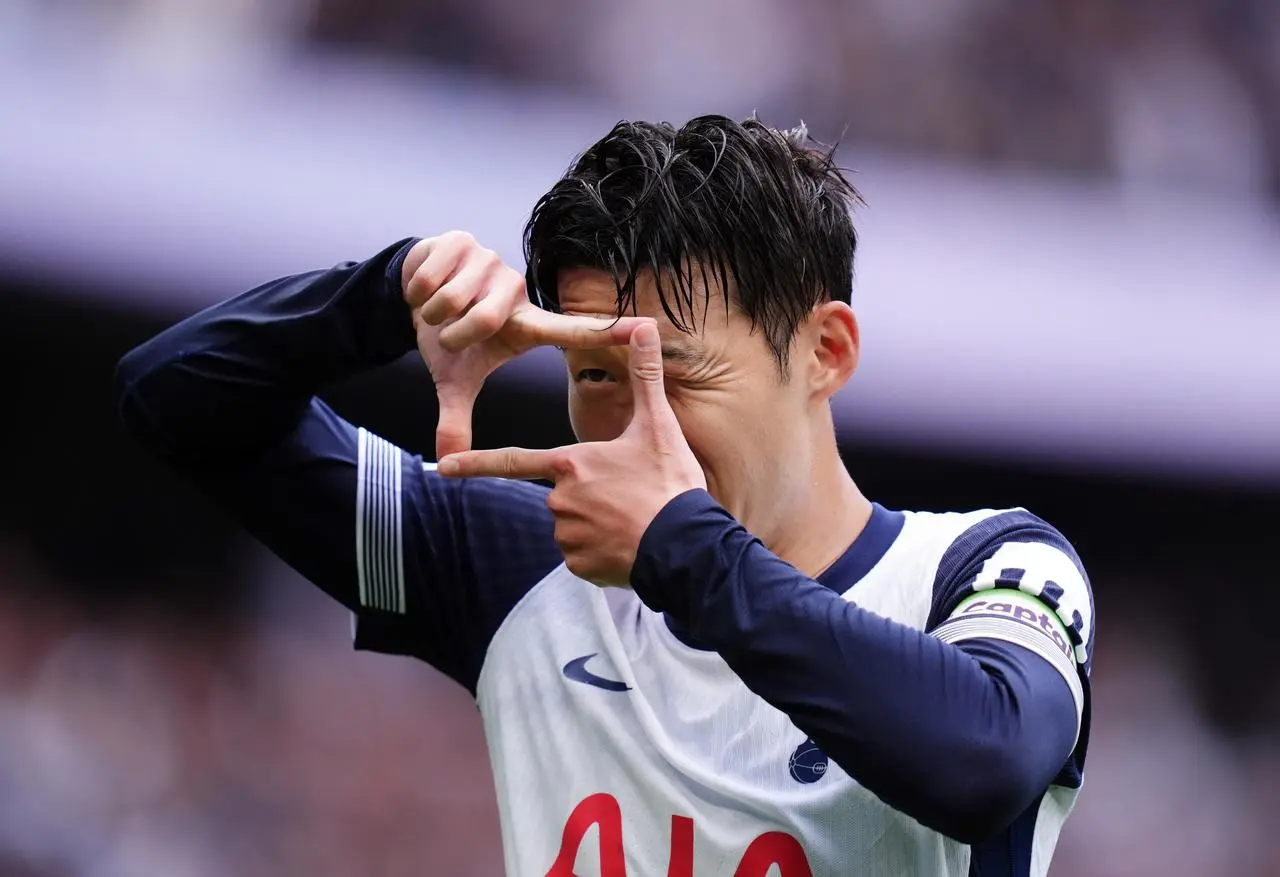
(682, 354)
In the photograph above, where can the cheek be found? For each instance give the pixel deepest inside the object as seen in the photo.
(596, 416)
(719, 436)
(738, 435)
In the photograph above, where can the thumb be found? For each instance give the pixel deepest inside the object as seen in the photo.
(453, 429)
(644, 358)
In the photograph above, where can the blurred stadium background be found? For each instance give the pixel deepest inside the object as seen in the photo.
(1070, 295)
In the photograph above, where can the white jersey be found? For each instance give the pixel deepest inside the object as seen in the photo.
(619, 750)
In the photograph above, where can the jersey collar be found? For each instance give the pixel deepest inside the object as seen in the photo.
(850, 568)
(881, 529)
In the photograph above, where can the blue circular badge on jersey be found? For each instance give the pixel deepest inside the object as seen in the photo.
(808, 763)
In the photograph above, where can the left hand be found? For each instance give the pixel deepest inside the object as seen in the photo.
(606, 493)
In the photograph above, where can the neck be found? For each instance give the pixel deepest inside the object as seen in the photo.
(819, 519)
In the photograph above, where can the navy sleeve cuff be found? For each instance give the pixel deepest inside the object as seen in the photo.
(689, 523)
(395, 282)
(395, 334)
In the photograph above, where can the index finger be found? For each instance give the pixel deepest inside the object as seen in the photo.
(517, 463)
(541, 327)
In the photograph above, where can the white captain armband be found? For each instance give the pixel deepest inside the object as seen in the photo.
(1021, 619)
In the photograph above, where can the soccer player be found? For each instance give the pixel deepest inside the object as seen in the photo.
(704, 651)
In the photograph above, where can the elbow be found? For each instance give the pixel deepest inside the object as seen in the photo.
(1002, 765)
(986, 795)
(974, 793)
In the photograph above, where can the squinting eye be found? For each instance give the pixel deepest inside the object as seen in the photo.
(594, 375)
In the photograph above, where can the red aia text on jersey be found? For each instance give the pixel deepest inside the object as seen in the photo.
(602, 810)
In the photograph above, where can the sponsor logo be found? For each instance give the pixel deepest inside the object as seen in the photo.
(772, 854)
(808, 763)
(576, 671)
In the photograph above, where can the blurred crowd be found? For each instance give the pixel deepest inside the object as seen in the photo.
(1183, 92)
(1176, 93)
(145, 743)
(142, 743)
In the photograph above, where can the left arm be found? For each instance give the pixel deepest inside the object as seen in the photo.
(961, 736)
(961, 730)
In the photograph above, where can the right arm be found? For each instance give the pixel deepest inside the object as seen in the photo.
(227, 397)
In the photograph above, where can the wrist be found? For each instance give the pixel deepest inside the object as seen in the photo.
(669, 549)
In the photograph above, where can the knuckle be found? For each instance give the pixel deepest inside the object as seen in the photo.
(450, 341)
(557, 505)
(564, 466)
(414, 290)
(509, 465)
(512, 297)
(511, 281)
(424, 284)
(485, 322)
(647, 370)
(450, 434)
(458, 237)
(420, 285)
(451, 296)
(577, 564)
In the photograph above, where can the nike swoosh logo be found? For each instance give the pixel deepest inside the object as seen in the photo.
(577, 671)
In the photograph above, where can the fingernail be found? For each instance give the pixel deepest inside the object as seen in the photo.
(448, 466)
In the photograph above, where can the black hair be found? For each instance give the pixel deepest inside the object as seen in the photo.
(763, 212)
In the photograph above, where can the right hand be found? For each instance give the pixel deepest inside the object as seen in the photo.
(472, 315)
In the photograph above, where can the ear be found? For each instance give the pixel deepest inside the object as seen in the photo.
(833, 348)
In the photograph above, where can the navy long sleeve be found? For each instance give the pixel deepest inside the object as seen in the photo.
(962, 737)
(225, 384)
(227, 398)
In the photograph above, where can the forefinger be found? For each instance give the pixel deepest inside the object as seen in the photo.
(541, 327)
(517, 463)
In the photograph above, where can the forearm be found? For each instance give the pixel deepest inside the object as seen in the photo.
(430, 566)
(961, 741)
(232, 379)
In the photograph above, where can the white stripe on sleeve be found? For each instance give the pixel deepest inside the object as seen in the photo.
(379, 530)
